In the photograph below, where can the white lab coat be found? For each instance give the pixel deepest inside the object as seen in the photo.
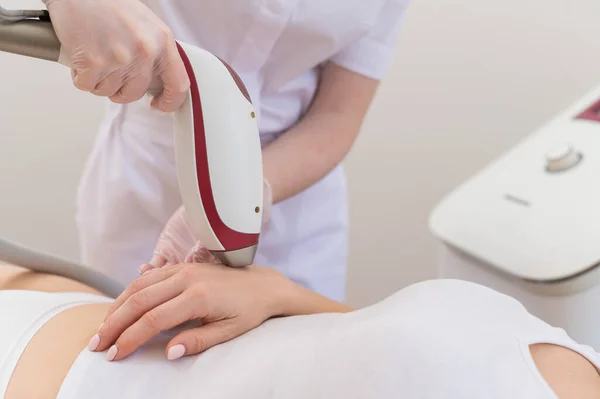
(129, 187)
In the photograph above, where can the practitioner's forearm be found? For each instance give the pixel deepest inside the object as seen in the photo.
(321, 140)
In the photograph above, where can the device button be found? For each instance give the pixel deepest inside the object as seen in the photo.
(561, 158)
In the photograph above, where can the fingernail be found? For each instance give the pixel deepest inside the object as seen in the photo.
(94, 342)
(175, 352)
(112, 353)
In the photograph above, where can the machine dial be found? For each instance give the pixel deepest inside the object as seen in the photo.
(561, 158)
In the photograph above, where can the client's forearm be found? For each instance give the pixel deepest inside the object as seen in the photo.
(294, 300)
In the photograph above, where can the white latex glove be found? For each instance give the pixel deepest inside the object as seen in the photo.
(178, 243)
(116, 49)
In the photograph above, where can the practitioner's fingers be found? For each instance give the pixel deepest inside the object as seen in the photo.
(200, 254)
(176, 82)
(161, 318)
(141, 283)
(146, 267)
(198, 340)
(140, 306)
(158, 260)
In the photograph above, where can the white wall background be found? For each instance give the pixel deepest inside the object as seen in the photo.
(470, 79)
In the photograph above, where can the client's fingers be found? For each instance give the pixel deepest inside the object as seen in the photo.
(198, 340)
(141, 283)
(161, 318)
(140, 305)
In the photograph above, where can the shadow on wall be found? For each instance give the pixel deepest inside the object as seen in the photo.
(48, 128)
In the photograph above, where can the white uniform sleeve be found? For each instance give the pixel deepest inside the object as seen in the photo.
(372, 54)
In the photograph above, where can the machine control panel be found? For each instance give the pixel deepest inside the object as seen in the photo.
(562, 157)
(534, 213)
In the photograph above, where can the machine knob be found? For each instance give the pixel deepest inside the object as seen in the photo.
(561, 158)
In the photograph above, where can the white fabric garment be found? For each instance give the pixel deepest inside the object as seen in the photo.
(441, 339)
(22, 314)
(129, 188)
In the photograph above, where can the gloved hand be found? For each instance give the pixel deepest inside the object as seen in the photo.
(117, 47)
(178, 243)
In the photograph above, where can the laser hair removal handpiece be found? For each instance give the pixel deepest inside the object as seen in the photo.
(217, 144)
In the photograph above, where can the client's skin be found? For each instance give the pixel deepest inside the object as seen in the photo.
(55, 347)
(51, 353)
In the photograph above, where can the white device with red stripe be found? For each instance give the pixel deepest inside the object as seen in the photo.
(219, 161)
(218, 153)
(218, 149)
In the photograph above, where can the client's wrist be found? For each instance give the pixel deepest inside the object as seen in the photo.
(277, 291)
(286, 298)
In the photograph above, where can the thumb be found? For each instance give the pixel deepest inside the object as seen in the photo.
(198, 340)
(200, 254)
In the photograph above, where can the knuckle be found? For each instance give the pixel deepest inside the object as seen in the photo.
(123, 97)
(135, 95)
(164, 107)
(232, 331)
(119, 56)
(101, 90)
(118, 100)
(199, 293)
(143, 51)
(112, 309)
(137, 285)
(165, 36)
(98, 63)
(83, 83)
(188, 272)
(128, 94)
(138, 300)
(86, 60)
(153, 320)
(106, 325)
(79, 85)
(199, 342)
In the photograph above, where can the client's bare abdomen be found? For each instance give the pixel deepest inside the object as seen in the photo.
(18, 278)
(50, 354)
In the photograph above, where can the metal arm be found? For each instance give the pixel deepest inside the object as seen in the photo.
(19, 15)
(29, 33)
(41, 262)
(30, 37)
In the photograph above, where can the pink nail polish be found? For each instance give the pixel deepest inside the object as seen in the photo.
(175, 352)
(94, 342)
(112, 353)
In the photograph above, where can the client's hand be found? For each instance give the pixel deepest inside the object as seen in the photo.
(228, 302)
